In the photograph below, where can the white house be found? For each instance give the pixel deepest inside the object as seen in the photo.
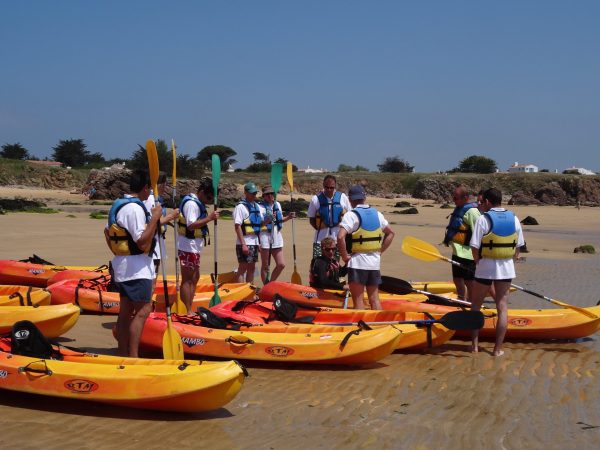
(309, 170)
(579, 170)
(525, 168)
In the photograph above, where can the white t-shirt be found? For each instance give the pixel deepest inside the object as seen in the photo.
(150, 202)
(266, 236)
(313, 209)
(241, 213)
(132, 267)
(191, 212)
(494, 269)
(365, 261)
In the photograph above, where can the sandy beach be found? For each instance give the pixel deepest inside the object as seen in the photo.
(538, 395)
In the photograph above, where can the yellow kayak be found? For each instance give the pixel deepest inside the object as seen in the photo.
(53, 320)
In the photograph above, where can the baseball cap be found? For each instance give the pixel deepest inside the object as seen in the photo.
(356, 192)
(250, 187)
(267, 189)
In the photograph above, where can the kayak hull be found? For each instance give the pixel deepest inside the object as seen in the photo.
(299, 344)
(165, 385)
(53, 320)
(13, 295)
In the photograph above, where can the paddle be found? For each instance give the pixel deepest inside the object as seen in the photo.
(455, 320)
(401, 287)
(296, 279)
(172, 345)
(346, 298)
(426, 252)
(216, 176)
(276, 175)
(178, 307)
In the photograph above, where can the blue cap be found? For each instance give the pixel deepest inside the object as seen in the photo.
(356, 192)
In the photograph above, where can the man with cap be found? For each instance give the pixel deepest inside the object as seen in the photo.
(248, 220)
(364, 235)
(271, 239)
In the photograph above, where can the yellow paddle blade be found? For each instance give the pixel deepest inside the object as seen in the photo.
(178, 306)
(172, 344)
(152, 164)
(290, 176)
(420, 249)
(296, 279)
(580, 310)
(174, 151)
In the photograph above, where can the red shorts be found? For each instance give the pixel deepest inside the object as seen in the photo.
(187, 259)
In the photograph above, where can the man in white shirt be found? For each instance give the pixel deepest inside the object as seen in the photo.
(363, 236)
(325, 212)
(130, 235)
(497, 237)
(247, 219)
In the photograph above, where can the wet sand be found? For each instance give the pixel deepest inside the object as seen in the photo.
(539, 394)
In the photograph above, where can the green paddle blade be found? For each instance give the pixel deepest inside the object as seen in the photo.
(216, 174)
(276, 176)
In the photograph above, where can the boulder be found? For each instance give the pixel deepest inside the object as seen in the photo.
(402, 204)
(552, 194)
(523, 198)
(407, 211)
(529, 221)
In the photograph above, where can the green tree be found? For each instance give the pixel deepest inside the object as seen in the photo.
(395, 164)
(139, 159)
(226, 154)
(347, 168)
(476, 164)
(188, 167)
(14, 151)
(262, 163)
(71, 152)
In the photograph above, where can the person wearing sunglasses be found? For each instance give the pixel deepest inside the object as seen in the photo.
(325, 270)
(247, 220)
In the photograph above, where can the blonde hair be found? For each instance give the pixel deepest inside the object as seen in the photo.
(328, 241)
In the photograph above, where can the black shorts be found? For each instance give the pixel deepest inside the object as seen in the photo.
(364, 277)
(468, 273)
(489, 282)
(251, 257)
(136, 290)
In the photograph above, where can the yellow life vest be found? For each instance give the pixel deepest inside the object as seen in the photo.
(501, 241)
(369, 235)
(120, 241)
(182, 228)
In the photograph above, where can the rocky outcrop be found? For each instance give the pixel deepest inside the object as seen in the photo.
(523, 199)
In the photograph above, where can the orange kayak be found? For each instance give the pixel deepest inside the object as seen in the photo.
(227, 277)
(165, 385)
(11, 295)
(306, 295)
(299, 344)
(99, 300)
(262, 314)
(53, 320)
(30, 274)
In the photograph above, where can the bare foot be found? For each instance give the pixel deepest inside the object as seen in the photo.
(498, 353)
(474, 349)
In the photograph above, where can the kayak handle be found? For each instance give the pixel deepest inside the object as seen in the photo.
(44, 371)
(239, 341)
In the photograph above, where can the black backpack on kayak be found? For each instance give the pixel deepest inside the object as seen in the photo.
(28, 340)
(286, 311)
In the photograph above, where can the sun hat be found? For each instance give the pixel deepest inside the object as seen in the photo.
(356, 192)
(250, 187)
(267, 189)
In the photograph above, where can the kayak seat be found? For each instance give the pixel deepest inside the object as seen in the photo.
(28, 340)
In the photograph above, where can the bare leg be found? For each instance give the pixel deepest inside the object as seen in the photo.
(279, 263)
(241, 272)
(502, 290)
(189, 281)
(469, 289)
(123, 323)
(461, 289)
(250, 272)
(358, 291)
(264, 263)
(478, 293)
(141, 311)
(373, 294)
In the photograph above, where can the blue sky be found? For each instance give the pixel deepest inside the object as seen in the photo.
(318, 82)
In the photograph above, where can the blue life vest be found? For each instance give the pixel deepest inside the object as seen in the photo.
(457, 231)
(274, 212)
(252, 224)
(121, 243)
(369, 235)
(501, 241)
(329, 214)
(182, 228)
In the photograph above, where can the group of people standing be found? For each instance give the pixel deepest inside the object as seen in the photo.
(347, 229)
